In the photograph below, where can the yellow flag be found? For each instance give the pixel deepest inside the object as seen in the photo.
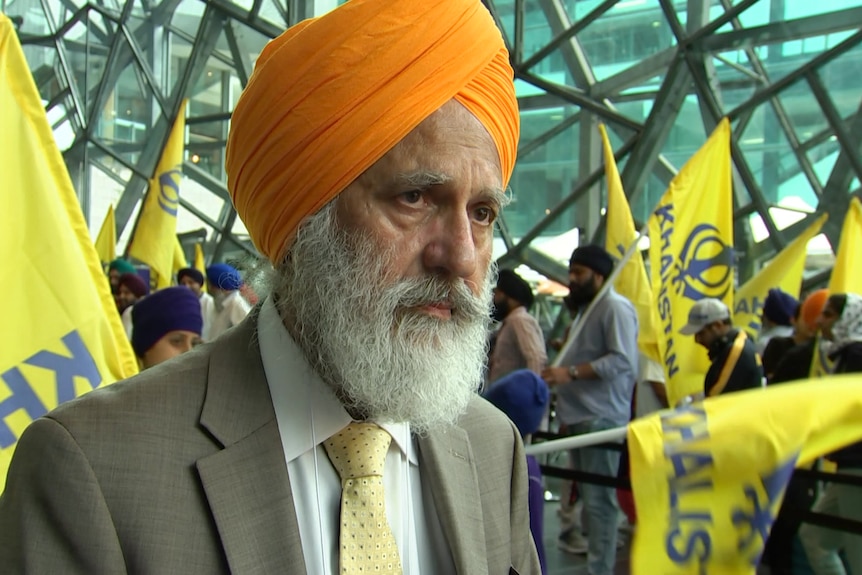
(61, 334)
(845, 277)
(154, 242)
(106, 241)
(783, 272)
(179, 258)
(691, 256)
(200, 263)
(845, 274)
(708, 478)
(632, 282)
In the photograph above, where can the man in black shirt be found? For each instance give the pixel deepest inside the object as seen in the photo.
(735, 364)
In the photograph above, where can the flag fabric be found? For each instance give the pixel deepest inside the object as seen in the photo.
(691, 257)
(200, 262)
(106, 241)
(61, 333)
(845, 278)
(180, 261)
(783, 272)
(632, 281)
(708, 478)
(154, 240)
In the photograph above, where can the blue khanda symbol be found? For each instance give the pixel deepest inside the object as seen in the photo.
(169, 191)
(704, 266)
(753, 525)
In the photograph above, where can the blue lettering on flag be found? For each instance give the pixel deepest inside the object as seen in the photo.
(665, 217)
(23, 397)
(688, 538)
(169, 191)
(65, 368)
(756, 523)
(754, 306)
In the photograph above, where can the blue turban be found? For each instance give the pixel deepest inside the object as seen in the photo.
(224, 277)
(523, 397)
(780, 306)
(171, 309)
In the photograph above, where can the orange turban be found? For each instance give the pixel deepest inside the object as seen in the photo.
(812, 307)
(331, 95)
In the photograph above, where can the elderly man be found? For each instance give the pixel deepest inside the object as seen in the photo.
(367, 157)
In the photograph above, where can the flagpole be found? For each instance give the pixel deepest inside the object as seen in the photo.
(615, 435)
(609, 282)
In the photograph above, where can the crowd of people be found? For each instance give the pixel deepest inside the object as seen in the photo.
(601, 380)
(171, 321)
(335, 427)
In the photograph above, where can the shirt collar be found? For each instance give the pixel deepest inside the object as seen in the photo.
(318, 414)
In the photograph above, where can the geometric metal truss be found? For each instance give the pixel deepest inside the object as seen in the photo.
(659, 73)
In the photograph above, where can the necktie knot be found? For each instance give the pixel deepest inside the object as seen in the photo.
(358, 450)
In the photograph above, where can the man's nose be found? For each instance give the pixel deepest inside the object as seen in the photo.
(452, 249)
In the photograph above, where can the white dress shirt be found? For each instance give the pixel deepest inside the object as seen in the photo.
(126, 316)
(233, 310)
(308, 413)
(207, 313)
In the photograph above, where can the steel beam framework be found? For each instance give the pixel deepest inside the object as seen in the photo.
(707, 59)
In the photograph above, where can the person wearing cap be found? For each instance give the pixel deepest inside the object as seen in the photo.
(194, 280)
(735, 365)
(229, 307)
(130, 288)
(368, 157)
(519, 342)
(523, 396)
(594, 383)
(166, 324)
(840, 324)
(776, 320)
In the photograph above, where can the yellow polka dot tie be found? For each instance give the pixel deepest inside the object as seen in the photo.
(358, 453)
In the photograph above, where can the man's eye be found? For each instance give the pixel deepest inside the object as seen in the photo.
(412, 197)
(485, 215)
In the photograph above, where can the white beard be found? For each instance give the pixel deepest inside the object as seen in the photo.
(364, 336)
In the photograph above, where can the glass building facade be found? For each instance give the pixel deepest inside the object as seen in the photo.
(659, 73)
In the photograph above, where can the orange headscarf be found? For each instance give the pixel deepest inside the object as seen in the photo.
(812, 307)
(331, 95)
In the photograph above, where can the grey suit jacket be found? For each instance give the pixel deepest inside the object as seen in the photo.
(181, 470)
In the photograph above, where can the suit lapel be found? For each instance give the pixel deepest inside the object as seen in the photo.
(447, 464)
(246, 483)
